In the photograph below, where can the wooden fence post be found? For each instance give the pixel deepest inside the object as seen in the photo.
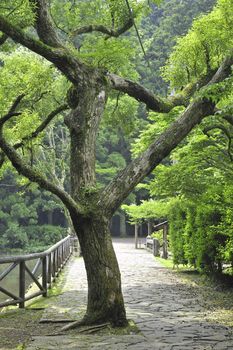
(50, 270)
(44, 275)
(136, 236)
(22, 283)
(165, 252)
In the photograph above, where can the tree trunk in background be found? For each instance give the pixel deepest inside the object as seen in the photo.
(149, 227)
(50, 217)
(136, 235)
(122, 224)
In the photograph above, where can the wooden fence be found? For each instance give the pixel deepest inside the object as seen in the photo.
(152, 244)
(50, 261)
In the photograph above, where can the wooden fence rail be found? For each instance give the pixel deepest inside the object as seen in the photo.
(51, 262)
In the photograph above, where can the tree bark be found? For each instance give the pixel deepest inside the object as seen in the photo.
(105, 299)
(88, 100)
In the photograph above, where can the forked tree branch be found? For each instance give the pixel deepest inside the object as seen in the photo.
(35, 133)
(18, 35)
(44, 24)
(35, 176)
(120, 187)
(28, 171)
(60, 57)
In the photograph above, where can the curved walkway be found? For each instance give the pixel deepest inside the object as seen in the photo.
(166, 310)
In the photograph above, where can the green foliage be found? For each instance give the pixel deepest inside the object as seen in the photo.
(43, 236)
(23, 216)
(146, 210)
(112, 54)
(97, 49)
(176, 216)
(14, 236)
(197, 188)
(159, 236)
(158, 122)
(198, 235)
(203, 48)
(166, 23)
(121, 113)
(20, 12)
(20, 76)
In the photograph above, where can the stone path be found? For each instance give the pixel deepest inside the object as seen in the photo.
(167, 311)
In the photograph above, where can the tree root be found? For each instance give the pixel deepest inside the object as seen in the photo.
(88, 329)
(62, 320)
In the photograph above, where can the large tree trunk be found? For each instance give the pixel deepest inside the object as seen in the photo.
(105, 299)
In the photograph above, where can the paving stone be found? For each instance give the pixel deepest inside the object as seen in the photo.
(166, 310)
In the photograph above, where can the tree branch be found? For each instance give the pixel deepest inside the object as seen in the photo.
(12, 111)
(140, 93)
(26, 170)
(35, 133)
(42, 126)
(16, 103)
(153, 102)
(34, 176)
(225, 131)
(2, 159)
(120, 187)
(60, 57)
(44, 24)
(102, 29)
(18, 35)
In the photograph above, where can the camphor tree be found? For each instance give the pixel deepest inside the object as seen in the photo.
(56, 38)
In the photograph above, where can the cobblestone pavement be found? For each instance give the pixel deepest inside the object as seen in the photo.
(166, 310)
